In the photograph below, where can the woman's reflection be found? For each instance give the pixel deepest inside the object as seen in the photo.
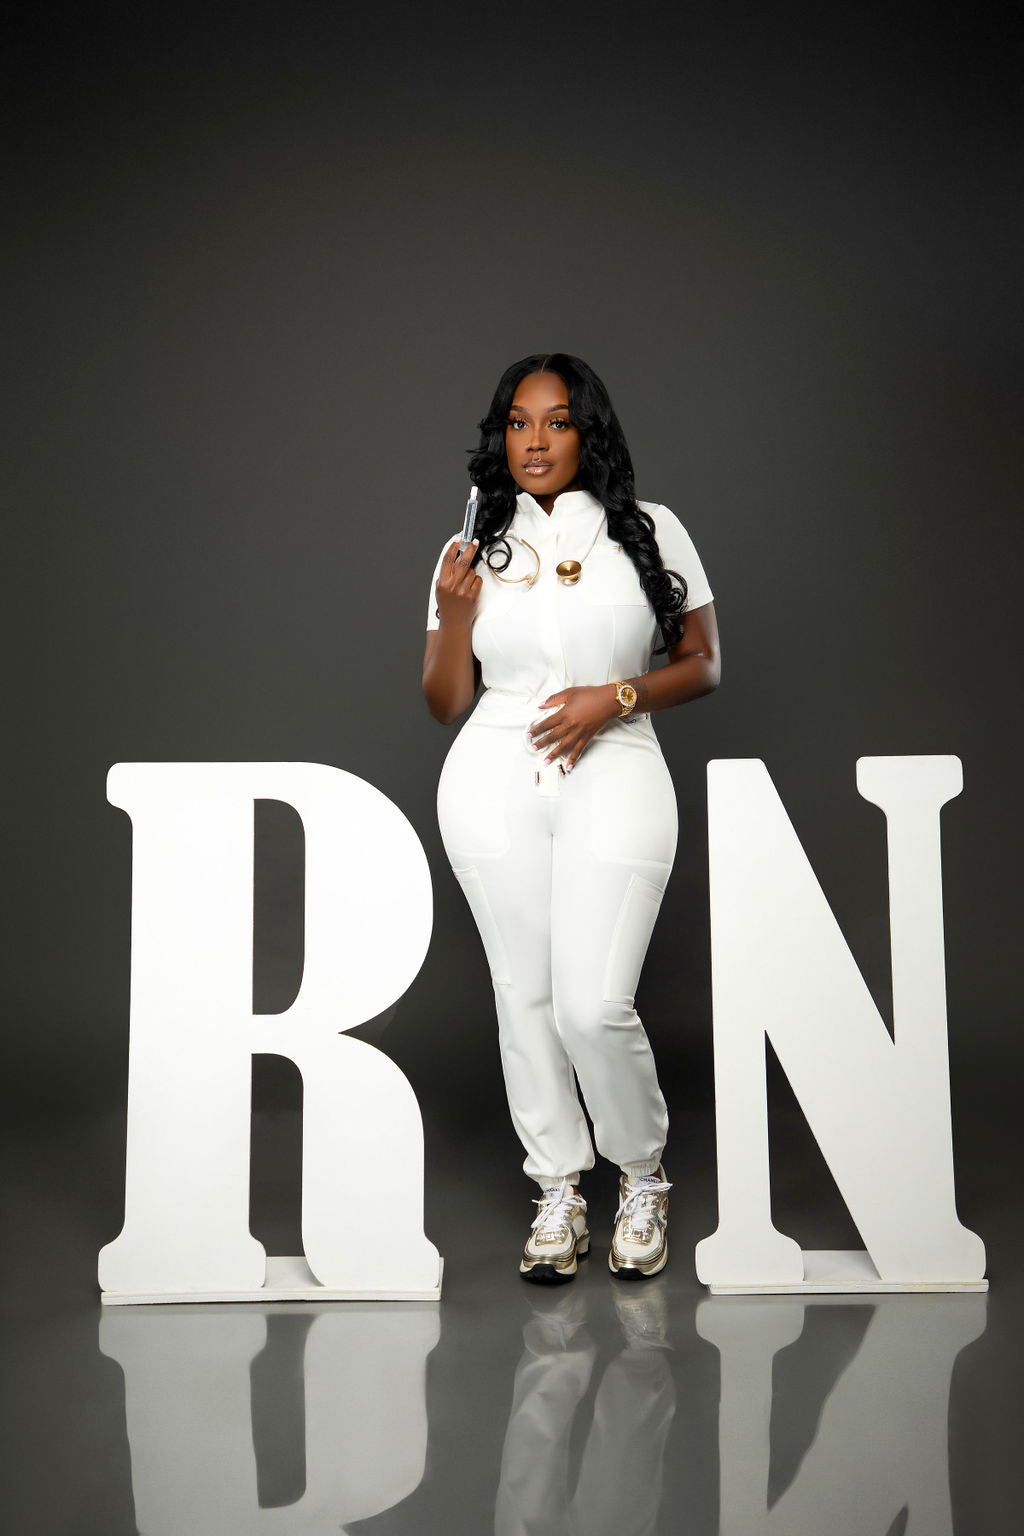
(620, 1475)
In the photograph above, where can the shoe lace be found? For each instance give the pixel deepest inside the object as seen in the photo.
(639, 1204)
(558, 1206)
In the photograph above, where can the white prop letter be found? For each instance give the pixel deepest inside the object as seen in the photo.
(879, 1109)
(193, 1032)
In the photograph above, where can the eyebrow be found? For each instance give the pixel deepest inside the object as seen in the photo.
(545, 412)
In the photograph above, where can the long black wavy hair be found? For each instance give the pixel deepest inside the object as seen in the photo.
(605, 470)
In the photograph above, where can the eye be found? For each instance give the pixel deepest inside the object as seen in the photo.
(515, 422)
(561, 422)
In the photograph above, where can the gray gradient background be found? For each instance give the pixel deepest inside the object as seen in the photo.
(262, 271)
(262, 278)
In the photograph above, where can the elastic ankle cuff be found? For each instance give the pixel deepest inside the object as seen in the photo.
(554, 1180)
(634, 1171)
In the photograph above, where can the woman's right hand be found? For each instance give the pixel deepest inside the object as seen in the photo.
(458, 586)
(451, 673)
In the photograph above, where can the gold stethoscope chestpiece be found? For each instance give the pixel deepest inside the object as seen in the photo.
(568, 572)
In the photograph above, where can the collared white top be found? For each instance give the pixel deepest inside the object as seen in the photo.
(537, 639)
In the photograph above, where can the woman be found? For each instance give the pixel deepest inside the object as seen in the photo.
(555, 805)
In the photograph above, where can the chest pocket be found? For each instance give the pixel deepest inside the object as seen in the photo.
(609, 579)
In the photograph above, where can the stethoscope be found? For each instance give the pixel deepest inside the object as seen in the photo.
(567, 571)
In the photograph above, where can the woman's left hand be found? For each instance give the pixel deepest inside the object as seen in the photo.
(579, 714)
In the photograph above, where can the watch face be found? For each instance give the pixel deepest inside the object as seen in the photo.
(627, 696)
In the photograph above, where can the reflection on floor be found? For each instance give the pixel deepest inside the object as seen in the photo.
(596, 1407)
(633, 1408)
(278, 1422)
(304, 1420)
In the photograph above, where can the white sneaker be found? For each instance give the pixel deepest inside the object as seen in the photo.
(558, 1236)
(640, 1241)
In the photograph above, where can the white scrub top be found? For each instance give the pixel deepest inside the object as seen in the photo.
(537, 640)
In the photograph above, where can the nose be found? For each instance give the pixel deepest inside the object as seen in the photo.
(537, 436)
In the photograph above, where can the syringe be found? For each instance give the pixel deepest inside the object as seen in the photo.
(469, 522)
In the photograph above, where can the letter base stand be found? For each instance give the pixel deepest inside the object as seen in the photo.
(288, 1279)
(833, 1272)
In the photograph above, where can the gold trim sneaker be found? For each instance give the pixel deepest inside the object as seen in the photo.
(558, 1236)
(640, 1242)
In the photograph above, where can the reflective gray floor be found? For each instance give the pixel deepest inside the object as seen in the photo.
(512, 1409)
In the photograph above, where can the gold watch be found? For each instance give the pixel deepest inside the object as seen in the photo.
(626, 695)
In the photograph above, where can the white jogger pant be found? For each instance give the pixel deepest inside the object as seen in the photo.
(564, 875)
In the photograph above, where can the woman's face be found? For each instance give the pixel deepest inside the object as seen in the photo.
(542, 445)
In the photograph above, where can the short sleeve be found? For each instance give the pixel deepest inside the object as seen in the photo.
(432, 620)
(678, 554)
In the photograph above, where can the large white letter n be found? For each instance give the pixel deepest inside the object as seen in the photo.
(193, 1032)
(879, 1109)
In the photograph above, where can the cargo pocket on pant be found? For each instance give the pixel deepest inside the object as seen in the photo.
(630, 938)
(494, 948)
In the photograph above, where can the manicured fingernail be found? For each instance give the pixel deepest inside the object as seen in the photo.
(568, 767)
